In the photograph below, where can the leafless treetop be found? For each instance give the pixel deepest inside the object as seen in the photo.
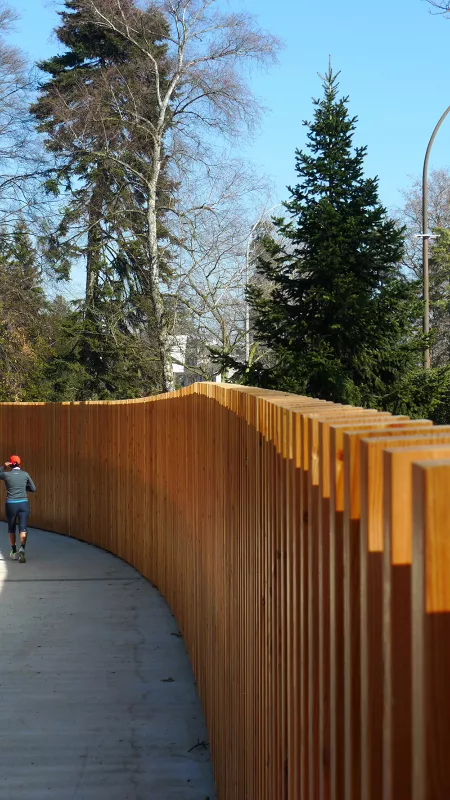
(442, 6)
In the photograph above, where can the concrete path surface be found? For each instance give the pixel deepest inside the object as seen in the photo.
(97, 696)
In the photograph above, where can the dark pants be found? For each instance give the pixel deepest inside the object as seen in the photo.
(17, 512)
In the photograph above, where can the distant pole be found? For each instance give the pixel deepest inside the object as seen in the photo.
(426, 236)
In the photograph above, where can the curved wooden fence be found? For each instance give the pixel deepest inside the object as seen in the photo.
(304, 549)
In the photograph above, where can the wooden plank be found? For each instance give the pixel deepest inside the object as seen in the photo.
(370, 664)
(431, 631)
(397, 648)
(339, 549)
(325, 608)
(318, 588)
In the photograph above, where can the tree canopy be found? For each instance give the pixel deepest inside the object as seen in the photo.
(341, 318)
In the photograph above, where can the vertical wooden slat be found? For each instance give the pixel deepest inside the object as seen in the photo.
(397, 648)
(431, 631)
(354, 582)
(331, 589)
(318, 768)
(368, 461)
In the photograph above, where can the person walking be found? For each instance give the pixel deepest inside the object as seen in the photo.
(18, 483)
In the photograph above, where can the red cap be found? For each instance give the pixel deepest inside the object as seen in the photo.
(14, 460)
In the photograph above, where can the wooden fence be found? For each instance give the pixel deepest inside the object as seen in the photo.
(304, 549)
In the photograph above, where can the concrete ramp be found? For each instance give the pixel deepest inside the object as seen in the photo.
(97, 696)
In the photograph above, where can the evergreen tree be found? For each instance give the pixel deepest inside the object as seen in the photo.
(24, 342)
(64, 374)
(104, 355)
(340, 320)
(78, 109)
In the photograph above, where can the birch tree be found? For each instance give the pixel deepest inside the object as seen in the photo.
(199, 82)
(101, 219)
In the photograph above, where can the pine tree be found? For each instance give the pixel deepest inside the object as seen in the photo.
(340, 320)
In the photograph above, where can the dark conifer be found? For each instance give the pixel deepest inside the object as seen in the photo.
(341, 320)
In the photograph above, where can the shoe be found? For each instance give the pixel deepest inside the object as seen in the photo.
(22, 558)
(13, 556)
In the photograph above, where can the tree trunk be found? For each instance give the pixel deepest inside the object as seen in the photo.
(94, 244)
(162, 330)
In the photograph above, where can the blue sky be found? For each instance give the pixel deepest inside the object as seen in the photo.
(394, 65)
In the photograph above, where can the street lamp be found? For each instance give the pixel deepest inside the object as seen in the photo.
(426, 236)
(247, 263)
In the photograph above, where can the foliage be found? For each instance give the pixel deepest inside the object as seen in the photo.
(439, 221)
(341, 320)
(139, 113)
(24, 344)
(108, 336)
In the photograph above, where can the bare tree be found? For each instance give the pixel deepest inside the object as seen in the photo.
(411, 214)
(198, 78)
(442, 6)
(22, 167)
(439, 219)
(20, 158)
(214, 214)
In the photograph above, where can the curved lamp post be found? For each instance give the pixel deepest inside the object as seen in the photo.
(426, 236)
